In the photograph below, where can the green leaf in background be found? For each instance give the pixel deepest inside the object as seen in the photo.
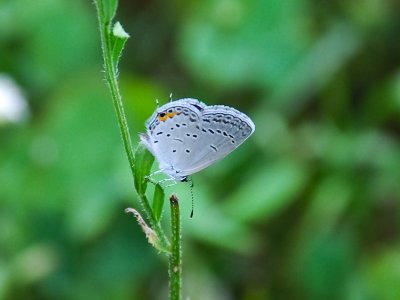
(324, 264)
(210, 224)
(158, 202)
(328, 204)
(381, 274)
(230, 43)
(53, 52)
(276, 187)
(144, 160)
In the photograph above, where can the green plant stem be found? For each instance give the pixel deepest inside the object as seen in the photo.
(175, 258)
(111, 75)
(112, 81)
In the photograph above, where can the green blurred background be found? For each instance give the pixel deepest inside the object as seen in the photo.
(307, 208)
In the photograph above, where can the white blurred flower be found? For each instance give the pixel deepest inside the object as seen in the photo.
(13, 105)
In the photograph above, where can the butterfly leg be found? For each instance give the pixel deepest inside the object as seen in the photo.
(150, 178)
(155, 173)
(171, 180)
(164, 183)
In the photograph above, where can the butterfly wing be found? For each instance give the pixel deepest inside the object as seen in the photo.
(223, 129)
(187, 136)
(171, 132)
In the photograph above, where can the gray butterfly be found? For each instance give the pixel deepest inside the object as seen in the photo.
(186, 135)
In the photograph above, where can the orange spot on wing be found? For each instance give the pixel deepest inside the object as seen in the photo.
(164, 116)
(171, 115)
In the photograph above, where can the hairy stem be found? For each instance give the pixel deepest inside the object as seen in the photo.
(175, 258)
(111, 75)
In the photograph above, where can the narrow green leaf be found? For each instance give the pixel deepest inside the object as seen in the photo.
(109, 8)
(158, 202)
(143, 162)
(118, 40)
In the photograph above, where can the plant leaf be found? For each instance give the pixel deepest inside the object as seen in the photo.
(158, 202)
(143, 160)
(118, 39)
(109, 8)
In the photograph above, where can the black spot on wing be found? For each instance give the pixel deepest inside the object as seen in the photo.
(197, 106)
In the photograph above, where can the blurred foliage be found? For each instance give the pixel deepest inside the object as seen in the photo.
(308, 208)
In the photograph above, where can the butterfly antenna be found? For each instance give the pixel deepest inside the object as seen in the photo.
(170, 97)
(191, 194)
